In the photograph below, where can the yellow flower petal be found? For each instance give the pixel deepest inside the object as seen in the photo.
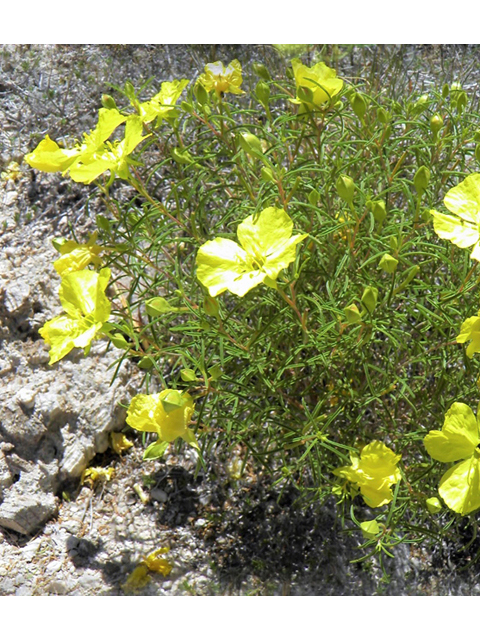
(464, 199)
(319, 79)
(470, 330)
(461, 233)
(49, 157)
(61, 333)
(82, 294)
(120, 442)
(267, 247)
(458, 438)
(137, 580)
(221, 79)
(156, 563)
(460, 486)
(147, 413)
(108, 156)
(221, 263)
(162, 104)
(374, 472)
(75, 256)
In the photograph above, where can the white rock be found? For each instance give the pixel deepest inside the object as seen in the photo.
(26, 397)
(16, 297)
(159, 495)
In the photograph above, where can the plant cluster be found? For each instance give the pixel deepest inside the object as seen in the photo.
(281, 267)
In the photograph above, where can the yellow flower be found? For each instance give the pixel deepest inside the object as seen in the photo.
(459, 439)
(82, 295)
(221, 79)
(111, 156)
(470, 330)
(463, 227)
(76, 257)
(374, 472)
(167, 413)
(320, 81)
(163, 103)
(266, 247)
(95, 154)
(49, 157)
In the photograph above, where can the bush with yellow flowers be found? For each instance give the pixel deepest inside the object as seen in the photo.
(293, 263)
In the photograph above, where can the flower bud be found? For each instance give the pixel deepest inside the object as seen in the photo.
(421, 104)
(104, 223)
(369, 298)
(129, 91)
(262, 91)
(378, 210)
(119, 341)
(211, 307)
(436, 123)
(267, 174)
(250, 143)
(353, 314)
(215, 372)
(388, 263)
(182, 156)
(261, 71)
(186, 106)
(201, 94)
(383, 115)
(370, 529)
(421, 179)
(359, 105)
(188, 375)
(313, 197)
(445, 91)
(173, 400)
(305, 94)
(345, 188)
(108, 102)
(462, 101)
(434, 505)
(393, 242)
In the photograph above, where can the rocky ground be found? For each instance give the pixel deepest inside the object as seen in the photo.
(59, 536)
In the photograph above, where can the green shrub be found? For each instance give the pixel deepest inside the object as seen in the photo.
(278, 275)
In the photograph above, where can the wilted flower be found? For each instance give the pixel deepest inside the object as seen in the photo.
(221, 79)
(459, 439)
(373, 472)
(139, 578)
(266, 247)
(82, 295)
